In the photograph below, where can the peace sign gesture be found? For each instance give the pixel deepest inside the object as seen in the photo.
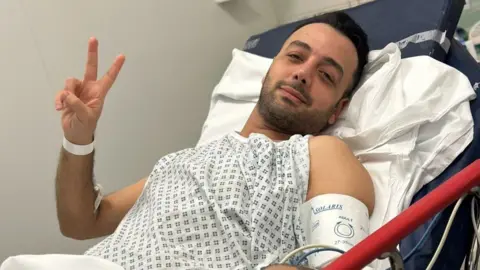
(81, 102)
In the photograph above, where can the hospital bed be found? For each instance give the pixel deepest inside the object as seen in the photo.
(419, 28)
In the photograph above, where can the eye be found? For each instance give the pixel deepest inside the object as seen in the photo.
(295, 57)
(327, 76)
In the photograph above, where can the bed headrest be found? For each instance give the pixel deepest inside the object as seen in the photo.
(420, 27)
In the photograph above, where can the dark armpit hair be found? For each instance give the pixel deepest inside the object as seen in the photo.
(343, 23)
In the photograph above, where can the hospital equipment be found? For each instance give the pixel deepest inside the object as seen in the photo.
(419, 28)
(384, 240)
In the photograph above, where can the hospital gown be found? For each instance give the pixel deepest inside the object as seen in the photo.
(230, 204)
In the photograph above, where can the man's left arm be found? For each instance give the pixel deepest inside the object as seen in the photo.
(335, 170)
(340, 199)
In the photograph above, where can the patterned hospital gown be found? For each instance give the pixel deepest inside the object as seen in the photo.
(230, 204)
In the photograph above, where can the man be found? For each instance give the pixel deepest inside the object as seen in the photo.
(235, 202)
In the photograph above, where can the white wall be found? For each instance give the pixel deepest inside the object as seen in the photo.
(291, 10)
(176, 51)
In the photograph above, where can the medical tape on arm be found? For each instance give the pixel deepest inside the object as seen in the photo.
(336, 220)
(98, 189)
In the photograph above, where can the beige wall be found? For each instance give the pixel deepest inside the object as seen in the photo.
(291, 10)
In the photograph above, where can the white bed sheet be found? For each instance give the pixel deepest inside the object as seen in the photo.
(57, 262)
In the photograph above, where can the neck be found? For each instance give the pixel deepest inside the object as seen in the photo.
(256, 124)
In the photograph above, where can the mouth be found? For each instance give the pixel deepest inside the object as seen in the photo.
(293, 94)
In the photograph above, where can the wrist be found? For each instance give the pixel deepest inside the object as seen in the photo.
(78, 149)
(79, 140)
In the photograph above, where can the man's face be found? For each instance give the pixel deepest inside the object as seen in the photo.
(303, 89)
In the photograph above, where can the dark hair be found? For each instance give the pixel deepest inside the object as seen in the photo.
(343, 23)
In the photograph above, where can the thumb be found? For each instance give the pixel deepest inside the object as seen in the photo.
(77, 106)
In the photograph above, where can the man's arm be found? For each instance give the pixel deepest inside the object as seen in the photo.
(76, 197)
(335, 170)
(81, 104)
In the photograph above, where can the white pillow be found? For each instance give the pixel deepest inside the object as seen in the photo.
(235, 96)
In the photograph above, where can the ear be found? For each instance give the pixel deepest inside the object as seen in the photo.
(338, 110)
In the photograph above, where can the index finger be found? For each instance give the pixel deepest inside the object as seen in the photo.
(91, 69)
(110, 77)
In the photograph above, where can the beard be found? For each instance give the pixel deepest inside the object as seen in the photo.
(283, 115)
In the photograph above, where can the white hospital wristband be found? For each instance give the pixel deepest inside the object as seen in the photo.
(79, 150)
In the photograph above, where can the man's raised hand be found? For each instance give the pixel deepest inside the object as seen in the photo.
(81, 102)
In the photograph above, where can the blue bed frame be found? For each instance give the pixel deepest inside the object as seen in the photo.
(421, 28)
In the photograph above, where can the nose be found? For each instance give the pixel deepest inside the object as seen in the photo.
(301, 76)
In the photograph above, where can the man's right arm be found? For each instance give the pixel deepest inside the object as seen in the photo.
(81, 104)
(76, 198)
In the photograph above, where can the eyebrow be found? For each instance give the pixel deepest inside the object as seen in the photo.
(301, 44)
(326, 60)
(330, 61)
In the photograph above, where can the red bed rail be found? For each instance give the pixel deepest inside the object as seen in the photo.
(388, 236)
